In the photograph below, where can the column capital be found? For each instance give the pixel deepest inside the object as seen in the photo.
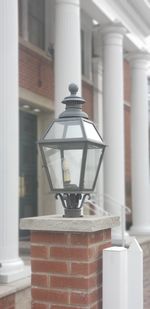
(70, 2)
(113, 34)
(140, 60)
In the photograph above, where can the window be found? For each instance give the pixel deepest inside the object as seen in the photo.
(36, 22)
(83, 52)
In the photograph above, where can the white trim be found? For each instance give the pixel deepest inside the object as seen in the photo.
(35, 100)
(35, 49)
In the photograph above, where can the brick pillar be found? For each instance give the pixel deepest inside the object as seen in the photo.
(66, 255)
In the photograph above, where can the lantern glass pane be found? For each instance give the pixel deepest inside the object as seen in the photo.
(92, 161)
(73, 130)
(71, 166)
(91, 132)
(64, 129)
(53, 160)
(64, 167)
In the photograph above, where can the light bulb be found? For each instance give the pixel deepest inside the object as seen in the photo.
(66, 171)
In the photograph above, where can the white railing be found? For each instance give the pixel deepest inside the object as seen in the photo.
(113, 205)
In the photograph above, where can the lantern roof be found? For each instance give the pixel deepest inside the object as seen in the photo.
(73, 104)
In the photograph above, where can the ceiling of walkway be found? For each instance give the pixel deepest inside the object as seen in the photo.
(134, 15)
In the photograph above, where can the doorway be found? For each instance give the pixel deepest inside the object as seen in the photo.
(28, 167)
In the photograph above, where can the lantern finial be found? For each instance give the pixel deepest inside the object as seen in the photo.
(73, 88)
(73, 104)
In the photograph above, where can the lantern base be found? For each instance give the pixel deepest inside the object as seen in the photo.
(71, 205)
(72, 213)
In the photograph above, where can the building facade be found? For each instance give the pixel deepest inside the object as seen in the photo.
(103, 47)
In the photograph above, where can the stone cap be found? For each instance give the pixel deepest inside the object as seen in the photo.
(59, 224)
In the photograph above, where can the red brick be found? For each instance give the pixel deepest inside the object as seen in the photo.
(40, 252)
(96, 237)
(107, 234)
(73, 282)
(97, 305)
(95, 295)
(40, 280)
(85, 239)
(78, 253)
(65, 307)
(49, 266)
(35, 67)
(48, 237)
(7, 302)
(61, 297)
(79, 298)
(80, 239)
(40, 306)
(69, 253)
(86, 268)
(80, 268)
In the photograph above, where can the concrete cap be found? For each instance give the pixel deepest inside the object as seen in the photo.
(59, 224)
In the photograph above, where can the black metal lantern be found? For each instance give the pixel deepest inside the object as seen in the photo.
(72, 151)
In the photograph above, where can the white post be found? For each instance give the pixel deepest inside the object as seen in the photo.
(123, 277)
(67, 53)
(135, 276)
(115, 278)
(113, 119)
(11, 266)
(140, 145)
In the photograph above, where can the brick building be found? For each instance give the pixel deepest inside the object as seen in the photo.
(102, 46)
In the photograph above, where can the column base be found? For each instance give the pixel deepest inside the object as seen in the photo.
(13, 270)
(140, 230)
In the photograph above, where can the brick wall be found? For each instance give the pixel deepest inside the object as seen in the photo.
(67, 269)
(7, 302)
(36, 73)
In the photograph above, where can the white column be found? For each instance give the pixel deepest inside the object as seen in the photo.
(98, 120)
(140, 145)
(113, 117)
(24, 19)
(11, 266)
(67, 49)
(67, 54)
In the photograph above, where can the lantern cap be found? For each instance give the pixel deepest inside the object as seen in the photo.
(73, 104)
